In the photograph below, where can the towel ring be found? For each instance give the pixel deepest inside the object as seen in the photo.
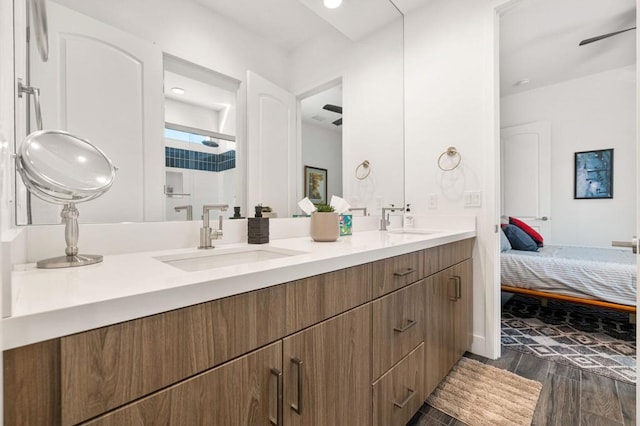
(365, 166)
(450, 152)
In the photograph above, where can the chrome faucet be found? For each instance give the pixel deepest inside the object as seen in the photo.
(206, 233)
(364, 210)
(188, 208)
(384, 221)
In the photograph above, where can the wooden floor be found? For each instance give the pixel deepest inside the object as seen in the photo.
(569, 396)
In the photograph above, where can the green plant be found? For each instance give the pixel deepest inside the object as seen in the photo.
(324, 208)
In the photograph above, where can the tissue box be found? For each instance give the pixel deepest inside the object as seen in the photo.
(345, 224)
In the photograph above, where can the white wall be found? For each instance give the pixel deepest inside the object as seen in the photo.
(192, 32)
(589, 113)
(322, 147)
(190, 115)
(450, 92)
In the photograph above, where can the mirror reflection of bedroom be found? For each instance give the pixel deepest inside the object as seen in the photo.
(568, 193)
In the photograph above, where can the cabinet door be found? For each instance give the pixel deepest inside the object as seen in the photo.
(462, 274)
(439, 336)
(242, 392)
(327, 372)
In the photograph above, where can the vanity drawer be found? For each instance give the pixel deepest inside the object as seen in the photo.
(110, 366)
(398, 325)
(317, 298)
(395, 272)
(452, 253)
(397, 395)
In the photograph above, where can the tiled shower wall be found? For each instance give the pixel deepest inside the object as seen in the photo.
(195, 160)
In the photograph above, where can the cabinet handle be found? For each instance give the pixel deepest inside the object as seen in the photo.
(278, 420)
(410, 323)
(453, 297)
(299, 364)
(405, 272)
(406, 400)
(458, 287)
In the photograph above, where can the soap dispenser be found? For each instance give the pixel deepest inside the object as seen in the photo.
(407, 218)
(258, 228)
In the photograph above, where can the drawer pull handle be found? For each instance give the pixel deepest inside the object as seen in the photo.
(458, 287)
(299, 364)
(406, 400)
(410, 323)
(405, 272)
(278, 420)
(454, 297)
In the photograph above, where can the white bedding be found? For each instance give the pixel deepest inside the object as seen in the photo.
(586, 272)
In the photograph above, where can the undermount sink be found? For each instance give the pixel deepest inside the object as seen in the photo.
(416, 231)
(219, 258)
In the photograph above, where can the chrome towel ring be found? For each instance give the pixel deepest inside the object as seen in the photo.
(363, 175)
(450, 152)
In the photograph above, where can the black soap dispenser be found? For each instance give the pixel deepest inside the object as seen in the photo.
(258, 231)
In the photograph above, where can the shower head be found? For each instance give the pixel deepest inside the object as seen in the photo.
(211, 143)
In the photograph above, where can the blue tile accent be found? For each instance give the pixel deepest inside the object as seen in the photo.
(196, 160)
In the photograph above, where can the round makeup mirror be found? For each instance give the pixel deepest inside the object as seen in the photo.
(61, 168)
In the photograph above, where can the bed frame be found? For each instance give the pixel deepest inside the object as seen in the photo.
(631, 310)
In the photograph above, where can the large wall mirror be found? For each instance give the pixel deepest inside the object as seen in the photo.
(186, 98)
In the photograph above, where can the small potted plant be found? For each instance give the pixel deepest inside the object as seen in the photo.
(325, 224)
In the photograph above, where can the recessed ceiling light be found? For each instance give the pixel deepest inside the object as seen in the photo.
(177, 90)
(522, 82)
(332, 4)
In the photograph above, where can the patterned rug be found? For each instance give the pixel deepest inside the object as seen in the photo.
(597, 340)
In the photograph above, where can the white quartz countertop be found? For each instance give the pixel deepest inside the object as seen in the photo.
(49, 303)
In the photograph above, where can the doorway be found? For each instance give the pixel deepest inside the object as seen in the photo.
(559, 100)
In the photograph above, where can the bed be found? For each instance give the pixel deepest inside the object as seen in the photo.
(593, 276)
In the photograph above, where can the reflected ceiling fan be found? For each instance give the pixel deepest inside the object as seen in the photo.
(336, 109)
(603, 36)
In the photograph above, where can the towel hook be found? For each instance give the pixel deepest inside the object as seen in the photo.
(450, 152)
(364, 165)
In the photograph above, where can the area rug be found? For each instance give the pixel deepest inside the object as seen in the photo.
(598, 340)
(479, 394)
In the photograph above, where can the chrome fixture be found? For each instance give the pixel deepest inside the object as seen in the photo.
(39, 16)
(206, 233)
(451, 153)
(61, 168)
(35, 92)
(188, 208)
(363, 170)
(363, 209)
(384, 221)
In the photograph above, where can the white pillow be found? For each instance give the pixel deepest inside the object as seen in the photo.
(505, 245)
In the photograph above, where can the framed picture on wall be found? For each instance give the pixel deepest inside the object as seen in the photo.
(315, 184)
(593, 174)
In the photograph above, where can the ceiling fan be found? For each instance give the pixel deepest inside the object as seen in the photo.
(336, 109)
(603, 36)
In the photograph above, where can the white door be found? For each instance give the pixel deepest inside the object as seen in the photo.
(526, 175)
(105, 85)
(271, 146)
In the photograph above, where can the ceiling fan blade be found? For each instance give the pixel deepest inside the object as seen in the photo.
(333, 108)
(338, 122)
(603, 36)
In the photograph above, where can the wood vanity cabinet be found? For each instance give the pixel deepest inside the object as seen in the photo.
(327, 372)
(449, 320)
(245, 391)
(358, 346)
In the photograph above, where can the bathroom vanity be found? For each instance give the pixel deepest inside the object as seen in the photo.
(356, 332)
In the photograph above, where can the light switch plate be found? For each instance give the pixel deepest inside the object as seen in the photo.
(432, 201)
(472, 198)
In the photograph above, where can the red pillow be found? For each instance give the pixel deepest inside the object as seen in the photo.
(529, 230)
